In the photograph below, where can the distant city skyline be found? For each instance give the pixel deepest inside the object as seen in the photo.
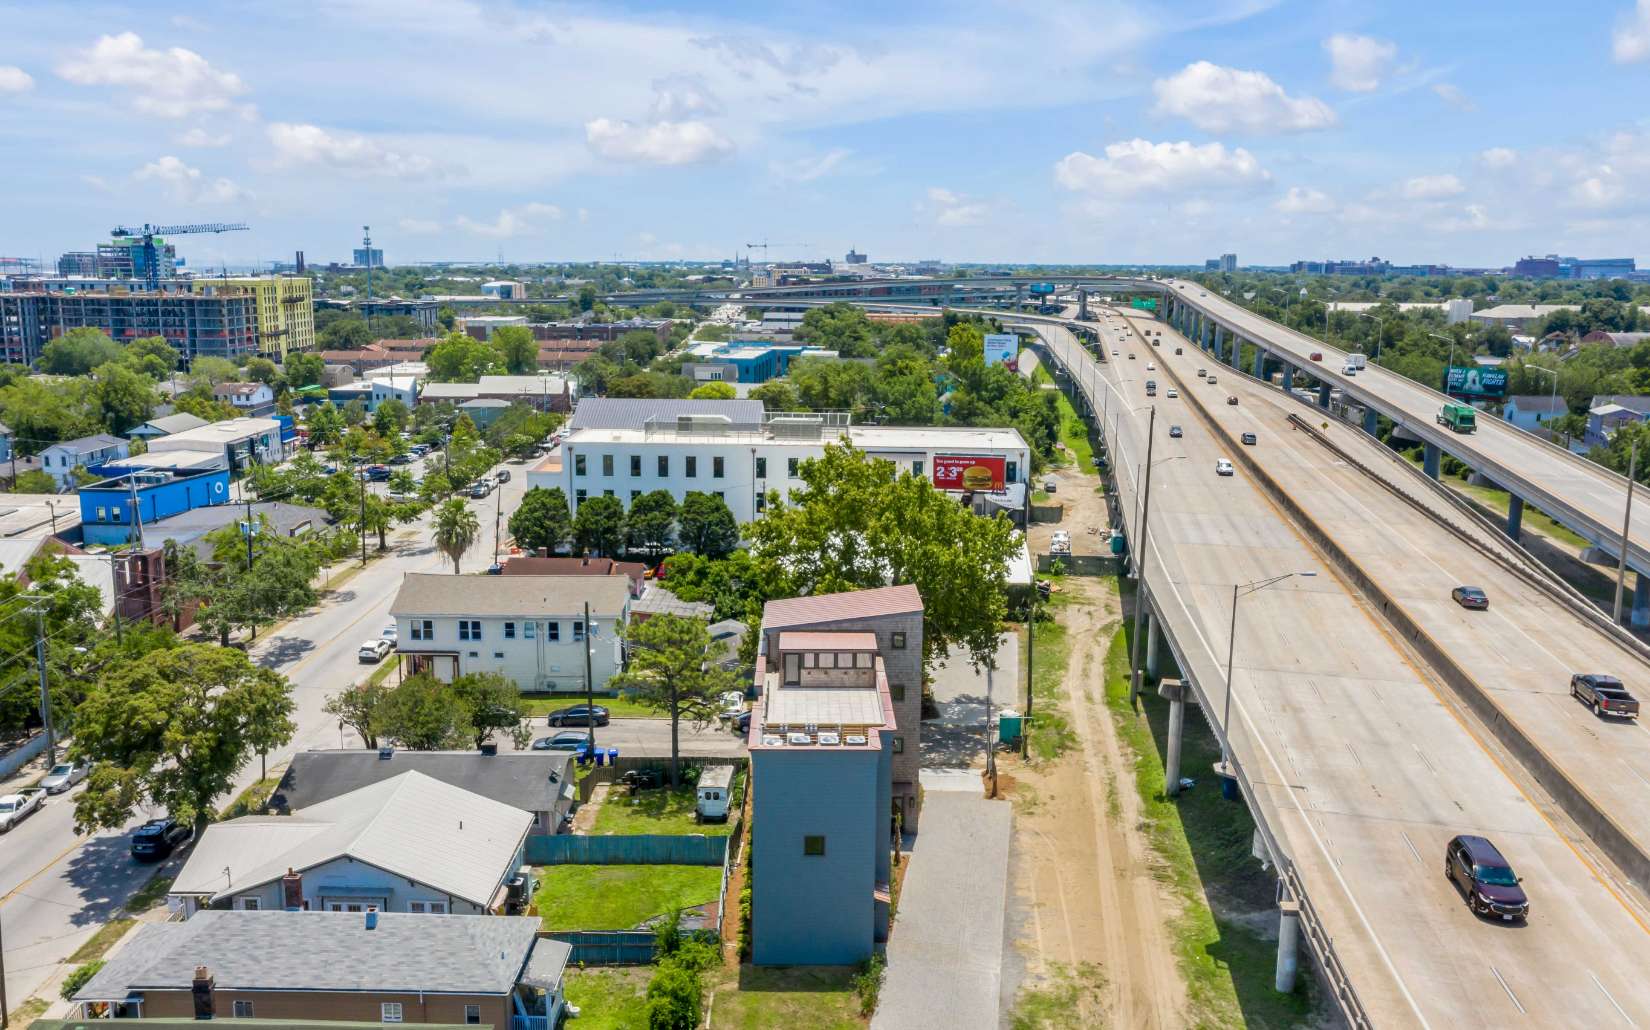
(1113, 132)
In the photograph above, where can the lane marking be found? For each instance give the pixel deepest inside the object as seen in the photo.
(1503, 982)
(1404, 834)
(1611, 999)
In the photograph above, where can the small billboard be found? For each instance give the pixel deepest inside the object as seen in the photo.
(1041, 289)
(1475, 381)
(1001, 348)
(970, 471)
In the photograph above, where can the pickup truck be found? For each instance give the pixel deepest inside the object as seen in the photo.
(1604, 695)
(14, 808)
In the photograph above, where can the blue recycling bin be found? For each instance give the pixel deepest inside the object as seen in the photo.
(601, 758)
(612, 756)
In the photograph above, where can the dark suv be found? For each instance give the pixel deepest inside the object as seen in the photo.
(1485, 878)
(158, 838)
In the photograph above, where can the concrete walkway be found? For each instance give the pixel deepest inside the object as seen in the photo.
(945, 955)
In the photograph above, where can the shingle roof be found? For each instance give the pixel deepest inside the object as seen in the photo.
(1538, 403)
(852, 604)
(324, 951)
(181, 422)
(1632, 402)
(95, 442)
(520, 779)
(411, 825)
(633, 413)
(436, 594)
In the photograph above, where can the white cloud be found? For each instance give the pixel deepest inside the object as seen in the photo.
(419, 226)
(1432, 187)
(1140, 166)
(680, 97)
(188, 185)
(807, 169)
(512, 221)
(1498, 157)
(1452, 95)
(349, 152)
(1304, 200)
(1219, 99)
(954, 210)
(1358, 63)
(658, 143)
(202, 138)
(173, 83)
(1602, 190)
(1632, 36)
(1473, 218)
(14, 79)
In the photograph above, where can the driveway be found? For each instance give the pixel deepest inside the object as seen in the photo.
(955, 737)
(945, 954)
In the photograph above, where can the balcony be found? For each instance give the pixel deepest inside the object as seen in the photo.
(530, 1023)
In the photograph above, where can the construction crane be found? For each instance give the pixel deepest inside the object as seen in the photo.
(764, 245)
(151, 258)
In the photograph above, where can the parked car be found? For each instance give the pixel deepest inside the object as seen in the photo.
(392, 633)
(740, 723)
(14, 808)
(1049, 485)
(1248, 439)
(503, 475)
(1232, 399)
(1224, 467)
(377, 473)
(158, 838)
(65, 775)
(403, 459)
(577, 715)
(1605, 695)
(1470, 597)
(1485, 879)
(566, 740)
(480, 489)
(375, 650)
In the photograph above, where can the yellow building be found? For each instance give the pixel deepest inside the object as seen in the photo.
(285, 307)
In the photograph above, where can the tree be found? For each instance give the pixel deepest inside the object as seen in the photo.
(542, 522)
(705, 525)
(423, 714)
(587, 297)
(598, 528)
(152, 356)
(211, 371)
(651, 519)
(519, 349)
(391, 417)
(261, 370)
(492, 703)
(201, 404)
(304, 370)
(713, 392)
(173, 730)
(325, 424)
(126, 397)
(279, 581)
(461, 358)
(777, 395)
(456, 528)
(840, 327)
(77, 352)
(672, 670)
(344, 334)
(357, 708)
(34, 481)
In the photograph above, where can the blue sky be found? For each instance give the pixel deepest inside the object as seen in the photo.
(1113, 131)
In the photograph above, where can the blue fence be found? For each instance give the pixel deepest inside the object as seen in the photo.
(636, 849)
(615, 947)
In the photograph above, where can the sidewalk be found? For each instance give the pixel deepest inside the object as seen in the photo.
(945, 955)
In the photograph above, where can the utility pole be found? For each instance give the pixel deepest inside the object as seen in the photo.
(498, 519)
(1031, 685)
(589, 685)
(1626, 523)
(1140, 564)
(363, 478)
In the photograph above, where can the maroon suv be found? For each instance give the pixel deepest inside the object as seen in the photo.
(1485, 879)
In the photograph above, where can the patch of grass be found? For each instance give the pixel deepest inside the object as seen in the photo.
(1203, 841)
(620, 897)
(609, 999)
(617, 707)
(655, 811)
(1074, 432)
(29, 1011)
(1051, 733)
(149, 895)
(251, 801)
(793, 997)
(1498, 500)
(1065, 1002)
(99, 943)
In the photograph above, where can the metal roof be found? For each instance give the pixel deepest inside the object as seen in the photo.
(177, 423)
(427, 593)
(528, 780)
(324, 951)
(95, 442)
(633, 413)
(852, 604)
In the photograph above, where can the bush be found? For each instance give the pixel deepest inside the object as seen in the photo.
(745, 924)
(868, 983)
(673, 998)
(77, 979)
(667, 936)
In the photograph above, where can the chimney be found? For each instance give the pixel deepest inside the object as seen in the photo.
(372, 917)
(292, 891)
(201, 989)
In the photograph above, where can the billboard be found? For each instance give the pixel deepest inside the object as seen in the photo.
(1474, 381)
(1041, 289)
(970, 471)
(1001, 348)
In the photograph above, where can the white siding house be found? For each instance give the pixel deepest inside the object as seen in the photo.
(61, 459)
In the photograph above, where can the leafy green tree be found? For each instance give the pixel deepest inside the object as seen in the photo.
(303, 369)
(152, 356)
(233, 593)
(71, 616)
(42, 412)
(77, 352)
(461, 358)
(126, 397)
(713, 392)
(456, 528)
(391, 417)
(840, 327)
(261, 370)
(542, 522)
(423, 714)
(598, 526)
(587, 297)
(650, 522)
(210, 371)
(519, 348)
(673, 670)
(173, 730)
(200, 403)
(777, 395)
(344, 334)
(649, 384)
(493, 704)
(357, 707)
(706, 526)
(34, 481)
(325, 424)
(904, 389)
(826, 385)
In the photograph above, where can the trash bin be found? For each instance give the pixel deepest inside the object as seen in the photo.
(601, 758)
(1009, 726)
(613, 756)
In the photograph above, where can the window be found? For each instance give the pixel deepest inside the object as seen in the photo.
(474, 654)
(899, 745)
(578, 464)
(578, 629)
(635, 464)
(791, 467)
(717, 467)
(633, 495)
(896, 691)
(102, 514)
(607, 464)
(243, 1009)
(916, 467)
(898, 642)
(114, 513)
(793, 669)
(249, 904)
(1013, 475)
(552, 631)
(692, 466)
(509, 631)
(864, 660)
(498, 654)
(529, 630)
(607, 493)
(438, 908)
(423, 629)
(389, 1012)
(469, 629)
(578, 497)
(814, 844)
(761, 468)
(664, 465)
(472, 1015)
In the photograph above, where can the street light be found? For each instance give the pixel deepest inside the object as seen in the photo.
(1379, 333)
(1451, 341)
(1239, 590)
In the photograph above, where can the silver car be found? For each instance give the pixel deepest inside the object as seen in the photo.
(65, 775)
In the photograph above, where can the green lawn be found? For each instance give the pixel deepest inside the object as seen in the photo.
(1051, 734)
(620, 897)
(1074, 432)
(609, 999)
(655, 811)
(617, 707)
(794, 997)
(1497, 500)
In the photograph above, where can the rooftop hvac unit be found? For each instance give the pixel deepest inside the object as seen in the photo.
(796, 427)
(829, 739)
(772, 740)
(855, 739)
(800, 738)
(719, 424)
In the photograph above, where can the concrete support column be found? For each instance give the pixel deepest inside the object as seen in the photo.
(1174, 692)
(1287, 379)
(1323, 395)
(1151, 643)
(1205, 331)
(1370, 425)
(1260, 362)
(1220, 342)
(1515, 519)
(1641, 601)
(1289, 920)
(1429, 460)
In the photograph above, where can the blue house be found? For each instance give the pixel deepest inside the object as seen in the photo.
(1529, 412)
(749, 362)
(1609, 412)
(107, 508)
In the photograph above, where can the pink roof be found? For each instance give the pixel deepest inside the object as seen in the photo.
(851, 604)
(827, 641)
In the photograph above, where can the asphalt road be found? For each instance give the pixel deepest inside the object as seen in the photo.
(1362, 768)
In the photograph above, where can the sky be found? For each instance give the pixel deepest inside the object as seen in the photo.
(1117, 131)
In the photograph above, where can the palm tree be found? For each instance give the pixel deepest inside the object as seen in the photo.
(456, 528)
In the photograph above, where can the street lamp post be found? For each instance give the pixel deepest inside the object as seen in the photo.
(1239, 590)
(1451, 341)
(1379, 332)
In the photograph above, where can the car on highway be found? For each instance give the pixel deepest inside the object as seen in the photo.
(1316, 355)
(1485, 878)
(1211, 377)
(481, 488)
(1131, 355)
(14, 808)
(1177, 350)
(1248, 439)
(577, 715)
(1175, 433)
(1202, 372)
(1173, 392)
(1470, 597)
(1151, 366)
(65, 775)
(158, 838)
(1224, 467)
(1605, 695)
(566, 740)
(1232, 399)
(374, 651)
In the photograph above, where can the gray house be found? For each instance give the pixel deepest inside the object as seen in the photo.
(166, 425)
(61, 459)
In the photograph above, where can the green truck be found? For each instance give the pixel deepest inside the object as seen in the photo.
(1461, 418)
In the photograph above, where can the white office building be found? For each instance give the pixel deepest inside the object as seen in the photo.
(242, 441)
(626, 448)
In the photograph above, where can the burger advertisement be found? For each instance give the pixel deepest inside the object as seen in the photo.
(970, 472)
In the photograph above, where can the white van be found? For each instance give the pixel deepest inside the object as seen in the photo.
(715, 793)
